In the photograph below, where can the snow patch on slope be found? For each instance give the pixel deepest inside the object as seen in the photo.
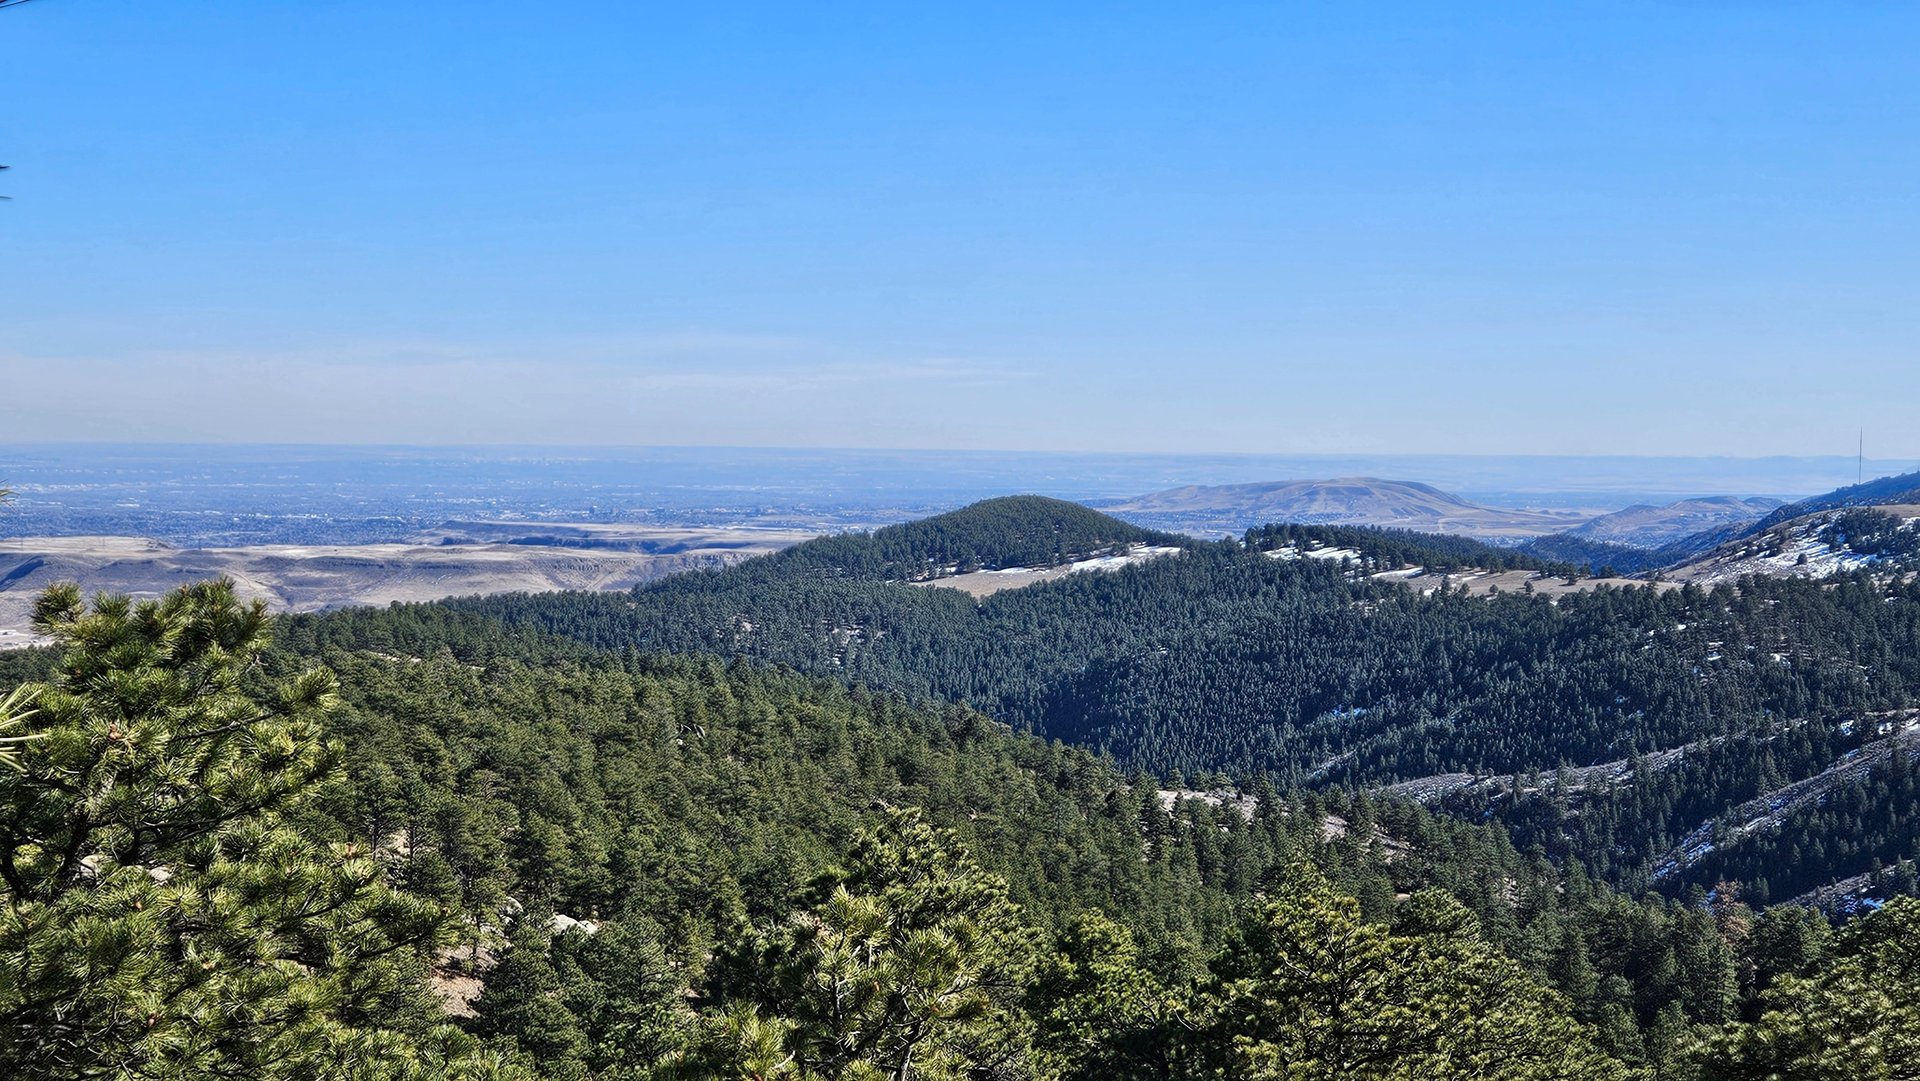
(1801, 553)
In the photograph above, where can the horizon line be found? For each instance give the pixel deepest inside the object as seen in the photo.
(793, 448)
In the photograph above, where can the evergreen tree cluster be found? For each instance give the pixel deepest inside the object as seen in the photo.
(1388, 549)
(1011, 531)
(1318, 672)
(166, 910)
(229, 858)
(1604, 558)
(1874, 533)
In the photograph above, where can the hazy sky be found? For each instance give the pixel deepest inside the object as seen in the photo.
(1677, 229)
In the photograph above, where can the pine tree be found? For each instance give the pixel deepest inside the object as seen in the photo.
(1314, 992)
(1859, 1017)
(1100, 1012)
(523, 1000)
(162, 912)
(912, 967)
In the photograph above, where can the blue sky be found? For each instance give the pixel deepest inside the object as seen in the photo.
(1352, 228)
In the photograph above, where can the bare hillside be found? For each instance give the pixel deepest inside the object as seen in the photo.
(302, 578)
(1645, 526)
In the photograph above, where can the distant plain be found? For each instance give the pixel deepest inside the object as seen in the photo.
(311, 527)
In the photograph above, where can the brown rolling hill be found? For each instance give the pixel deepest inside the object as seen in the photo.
(302, 578)
(1645, 526)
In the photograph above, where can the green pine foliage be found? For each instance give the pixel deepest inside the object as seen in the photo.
(1012, 531)
(1872, 533)
(1311, 990)
(728, 801)
(164, 914)
(1383, 548)
(913, 965)
(1594, 556)
(1854, 1018)
(230, 858)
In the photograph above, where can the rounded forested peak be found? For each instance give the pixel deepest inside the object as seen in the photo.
(992, 534)
(1035, 507)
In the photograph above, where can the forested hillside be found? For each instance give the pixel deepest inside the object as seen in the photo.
(1594, 556)
(1902, 488)
(741, 823)
(617, 866)
(1315, 671)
